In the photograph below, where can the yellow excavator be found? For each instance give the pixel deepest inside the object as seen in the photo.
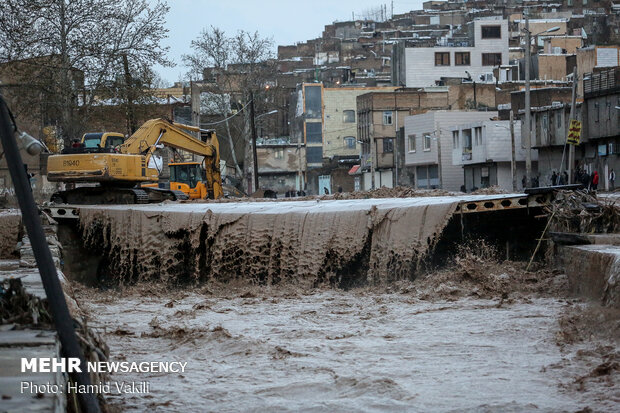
(127, 172)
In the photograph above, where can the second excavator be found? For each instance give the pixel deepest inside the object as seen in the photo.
(128, 173)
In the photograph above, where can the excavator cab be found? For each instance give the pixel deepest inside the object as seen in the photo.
(102, 140)
(188, 177)
(97, 142)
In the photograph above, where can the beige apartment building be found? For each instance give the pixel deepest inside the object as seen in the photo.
(340, 120)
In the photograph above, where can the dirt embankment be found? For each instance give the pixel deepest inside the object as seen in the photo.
(10, 232)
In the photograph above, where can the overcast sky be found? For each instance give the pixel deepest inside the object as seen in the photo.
(287, 21)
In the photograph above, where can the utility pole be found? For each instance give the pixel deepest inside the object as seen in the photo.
(373, 159)
(299, 172)
(571, 148)
(439, 166)
(254, 156)
(513, 160)
(528, 107)
(395, 141)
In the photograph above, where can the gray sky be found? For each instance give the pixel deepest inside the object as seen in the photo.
(288, 22)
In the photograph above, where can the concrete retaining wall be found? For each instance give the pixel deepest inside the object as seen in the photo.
(593, 271)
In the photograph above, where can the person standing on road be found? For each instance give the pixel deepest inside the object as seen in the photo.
(595, 180)
(554, 179)
(612, 180)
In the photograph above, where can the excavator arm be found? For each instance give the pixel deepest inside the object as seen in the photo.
(161, 132)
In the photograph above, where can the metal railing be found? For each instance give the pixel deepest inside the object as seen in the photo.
(603, 81)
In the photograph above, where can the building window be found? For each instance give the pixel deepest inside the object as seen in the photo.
(461, 59)
(349, 116)
(349, 142)
(478, 135)
(388, 145)
(467, 145)
(491, 32)
(387, 117)
(312, 102)
(314, 154)
(411, 143)
(428, 176)
(279, 154)
(597, 114)
(314, 132)
(427, 141)
(455, 139)
(442, 59)
(491, 59)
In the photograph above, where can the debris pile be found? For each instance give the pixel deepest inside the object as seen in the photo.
(17, 307)
(478, 272)
(580, 212)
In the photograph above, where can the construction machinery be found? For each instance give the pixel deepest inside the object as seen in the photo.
(127, 172)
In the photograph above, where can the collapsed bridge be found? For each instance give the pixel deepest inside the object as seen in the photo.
(344, 242)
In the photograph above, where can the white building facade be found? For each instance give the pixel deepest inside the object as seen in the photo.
(475, 58)
(428, 147)
(484, 150)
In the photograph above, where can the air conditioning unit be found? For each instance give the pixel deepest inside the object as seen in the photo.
(486, 77)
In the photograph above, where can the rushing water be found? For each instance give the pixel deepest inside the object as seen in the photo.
(339, 351)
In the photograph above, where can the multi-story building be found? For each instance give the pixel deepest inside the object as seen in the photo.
(340, 120)
(428, 147)
(599, 147)
(280, 165)
(472, 56)
(484, 150)
(326, 121)
(380, 117)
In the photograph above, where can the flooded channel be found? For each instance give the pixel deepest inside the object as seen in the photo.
(357, 350)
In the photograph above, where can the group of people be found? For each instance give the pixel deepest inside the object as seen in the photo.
(559, 179)
(587, 180)
(581, 176)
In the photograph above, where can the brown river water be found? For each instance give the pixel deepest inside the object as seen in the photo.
(358, 350)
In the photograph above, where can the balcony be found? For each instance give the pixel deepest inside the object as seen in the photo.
(601, 83)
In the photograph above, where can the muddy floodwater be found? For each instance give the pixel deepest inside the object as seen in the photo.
(356, 350)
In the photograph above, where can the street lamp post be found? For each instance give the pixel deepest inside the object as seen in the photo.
(254, 156)
(253, 120)
(513, 160)
(528, 106)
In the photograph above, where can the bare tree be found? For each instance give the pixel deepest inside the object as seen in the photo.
(89, 38)
(236, 67)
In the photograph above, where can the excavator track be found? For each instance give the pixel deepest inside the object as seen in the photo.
(162, 194)
(101, 195)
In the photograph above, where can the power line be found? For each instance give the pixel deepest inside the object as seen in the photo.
(225, 119)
